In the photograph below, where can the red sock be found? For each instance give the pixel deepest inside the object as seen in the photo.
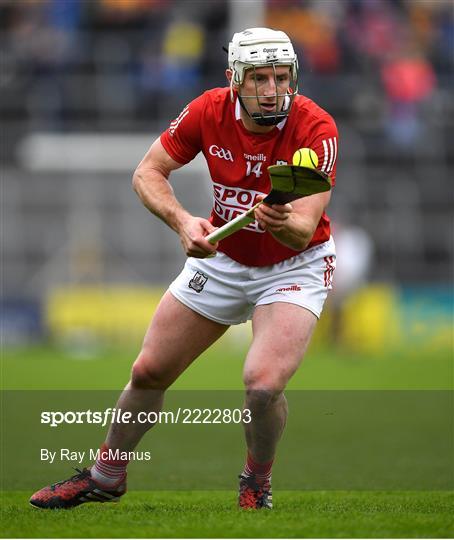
(261, 471)
(107, 470)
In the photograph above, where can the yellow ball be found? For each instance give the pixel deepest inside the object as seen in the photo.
(305, 157)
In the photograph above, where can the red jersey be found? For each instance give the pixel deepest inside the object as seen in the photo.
(238, 159)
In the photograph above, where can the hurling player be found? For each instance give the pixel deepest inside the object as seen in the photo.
(277, 271)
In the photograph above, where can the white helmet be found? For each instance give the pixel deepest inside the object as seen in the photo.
(258, 47)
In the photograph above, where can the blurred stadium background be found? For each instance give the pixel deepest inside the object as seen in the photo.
(86, 86)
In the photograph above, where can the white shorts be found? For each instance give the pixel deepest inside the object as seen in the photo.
(228, 292)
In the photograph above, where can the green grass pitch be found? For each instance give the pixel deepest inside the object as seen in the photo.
(208, 514)
(213, 515)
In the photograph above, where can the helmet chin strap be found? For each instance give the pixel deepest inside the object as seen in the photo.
(266, 119)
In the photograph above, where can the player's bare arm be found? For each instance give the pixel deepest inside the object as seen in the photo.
(151, 183)
(293, 224)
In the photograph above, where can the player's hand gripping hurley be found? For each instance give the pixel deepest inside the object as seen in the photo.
(289, 182)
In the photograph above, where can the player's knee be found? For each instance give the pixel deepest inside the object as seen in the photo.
(146, 375)
(257, 380)
(263, 388)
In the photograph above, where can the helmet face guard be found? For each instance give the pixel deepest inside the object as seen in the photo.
(262, 47)
(271, 118)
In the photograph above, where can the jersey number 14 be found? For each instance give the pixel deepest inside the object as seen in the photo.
(256, 169)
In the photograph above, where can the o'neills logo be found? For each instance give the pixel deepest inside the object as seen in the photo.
(117, 454)
(291, 288)
(256, 157)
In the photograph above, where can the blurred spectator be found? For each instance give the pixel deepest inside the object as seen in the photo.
(354, 254)
(373, 29)
(182, 53)
(408, 80)
(313, 34)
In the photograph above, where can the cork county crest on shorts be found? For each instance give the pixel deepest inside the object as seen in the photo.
(198, 282)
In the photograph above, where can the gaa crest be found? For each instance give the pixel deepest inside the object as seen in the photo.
(198, 282)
